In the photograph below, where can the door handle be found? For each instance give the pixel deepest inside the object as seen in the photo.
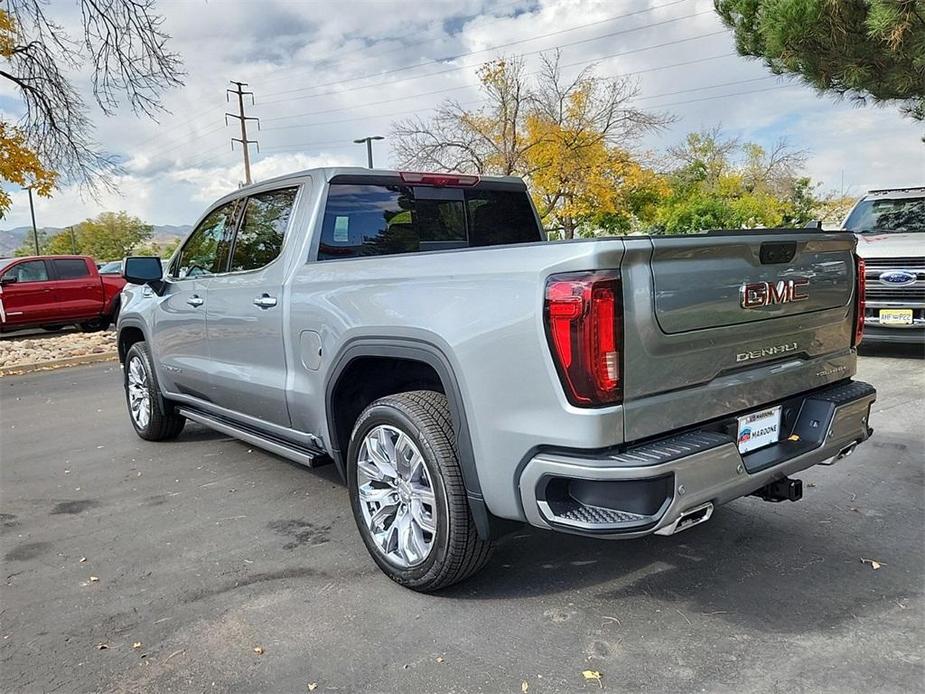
(265, 301)
(195, 301)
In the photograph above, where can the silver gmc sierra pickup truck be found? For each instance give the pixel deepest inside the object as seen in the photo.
(462, 372)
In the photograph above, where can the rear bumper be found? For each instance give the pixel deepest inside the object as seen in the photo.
(909, 335)
(650, 488)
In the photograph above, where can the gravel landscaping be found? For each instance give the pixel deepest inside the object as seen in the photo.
(49, 349)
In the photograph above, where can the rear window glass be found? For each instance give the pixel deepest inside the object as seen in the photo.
(362, 220)
(70, 268)
(260, 238)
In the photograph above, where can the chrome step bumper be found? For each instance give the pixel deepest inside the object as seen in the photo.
(674, 483)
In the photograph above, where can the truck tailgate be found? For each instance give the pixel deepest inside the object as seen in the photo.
(733, 321)
(699, 282)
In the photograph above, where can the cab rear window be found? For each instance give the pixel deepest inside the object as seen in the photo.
(369, 219)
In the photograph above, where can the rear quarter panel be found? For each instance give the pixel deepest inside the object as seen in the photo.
(482, 308)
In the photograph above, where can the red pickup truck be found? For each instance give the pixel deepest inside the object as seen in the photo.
(53, 291)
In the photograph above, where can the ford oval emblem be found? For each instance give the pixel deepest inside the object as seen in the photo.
(897, 278)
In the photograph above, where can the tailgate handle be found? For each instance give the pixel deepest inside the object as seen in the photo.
(774, 252)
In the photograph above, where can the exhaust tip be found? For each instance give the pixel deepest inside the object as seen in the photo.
(688, 519)
(846, 451)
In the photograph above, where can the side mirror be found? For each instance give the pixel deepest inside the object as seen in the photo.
(13, 279)
(143, 269)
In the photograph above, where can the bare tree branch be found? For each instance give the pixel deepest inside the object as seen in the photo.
(124, 43)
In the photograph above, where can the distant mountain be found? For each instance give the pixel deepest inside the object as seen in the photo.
(11, 239)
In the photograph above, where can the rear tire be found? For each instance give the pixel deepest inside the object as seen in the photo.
(415, 523)
(153, 417)
(93, 326)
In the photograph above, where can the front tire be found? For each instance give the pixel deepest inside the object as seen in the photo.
(407, 492)
(153, 418)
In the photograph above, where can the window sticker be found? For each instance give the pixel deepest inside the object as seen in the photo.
(341, 229)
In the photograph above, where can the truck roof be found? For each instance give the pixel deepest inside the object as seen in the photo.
(330, 172)
(896, 193)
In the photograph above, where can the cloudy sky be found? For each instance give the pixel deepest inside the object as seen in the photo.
(325, 72)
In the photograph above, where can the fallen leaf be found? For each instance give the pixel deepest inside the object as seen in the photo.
(524, 686)
(593, 675)
(94, 579)
(137, 644)
(874, 564)
(312, 686)
(102, 646)
(439, 658)
(258, 650)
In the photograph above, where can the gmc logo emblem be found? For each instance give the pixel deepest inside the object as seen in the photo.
(758, 294)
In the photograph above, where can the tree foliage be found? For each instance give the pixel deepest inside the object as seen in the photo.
(21, 166)
(719, 182)
(572, 140)
(862, 49)
(124, 47)
(108, 236)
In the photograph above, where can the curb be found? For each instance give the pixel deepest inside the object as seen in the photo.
(58, 363)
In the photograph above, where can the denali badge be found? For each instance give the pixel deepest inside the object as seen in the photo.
(765, 352)
(758, 294)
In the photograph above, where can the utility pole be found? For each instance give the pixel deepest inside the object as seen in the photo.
(369, 147)
(73, 240)
(240, 93)
(35, 231)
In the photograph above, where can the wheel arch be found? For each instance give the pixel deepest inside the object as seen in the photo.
(354, 355)
(129, 333)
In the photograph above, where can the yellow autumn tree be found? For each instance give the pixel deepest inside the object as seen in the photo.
(571, 140)
(21, 166)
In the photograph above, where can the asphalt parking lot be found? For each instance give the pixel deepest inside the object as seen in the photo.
(206, 549)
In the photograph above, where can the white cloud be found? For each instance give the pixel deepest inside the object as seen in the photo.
(325, 74)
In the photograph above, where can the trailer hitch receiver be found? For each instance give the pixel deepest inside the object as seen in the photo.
(781, 490)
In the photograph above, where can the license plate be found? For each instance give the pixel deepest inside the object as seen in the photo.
(759, 429)
(895, 316)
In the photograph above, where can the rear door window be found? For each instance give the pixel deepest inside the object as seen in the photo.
(28, 271)
(259, 241)
(70, 268)
(369, 219)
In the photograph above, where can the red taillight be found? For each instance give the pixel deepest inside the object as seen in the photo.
(432, 179)
(584, 326)
(860, 287)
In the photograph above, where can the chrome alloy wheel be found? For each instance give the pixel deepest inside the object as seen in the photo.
(396, 496)
(139, 399)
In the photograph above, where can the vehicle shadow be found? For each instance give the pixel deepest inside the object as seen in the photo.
(782, 573)
(194, 432)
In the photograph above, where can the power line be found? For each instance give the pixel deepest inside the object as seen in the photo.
(470, 86)
(723, 96)
(493, 48)
(464, 67)
(245, 148)
(469, 65)
(482, 101)
(344, 144)
(710, 86)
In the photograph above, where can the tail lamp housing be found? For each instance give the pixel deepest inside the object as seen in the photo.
(584, 327)
(860, 304)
